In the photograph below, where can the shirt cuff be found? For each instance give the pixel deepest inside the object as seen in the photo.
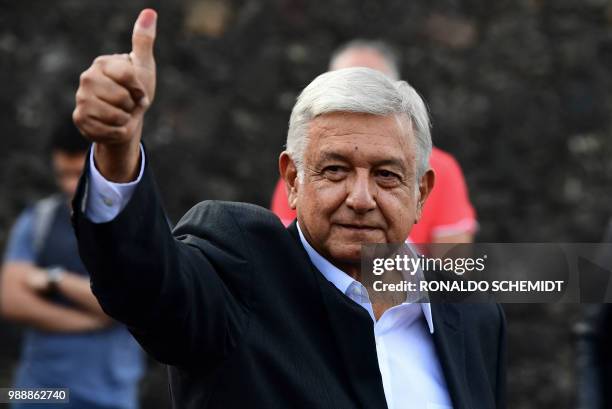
(106, 199)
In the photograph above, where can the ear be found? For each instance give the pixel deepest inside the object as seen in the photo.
(426, 185)
(288, 172)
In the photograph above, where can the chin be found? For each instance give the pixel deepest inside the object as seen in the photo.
(345, 245)
(359, 237)
(347, 253)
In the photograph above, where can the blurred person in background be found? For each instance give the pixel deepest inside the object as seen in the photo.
(448, 215)
(69, 342)
(594, 338)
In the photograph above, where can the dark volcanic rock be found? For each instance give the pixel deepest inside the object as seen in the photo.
(519, 91)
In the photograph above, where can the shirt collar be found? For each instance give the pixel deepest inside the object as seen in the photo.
(343, 281)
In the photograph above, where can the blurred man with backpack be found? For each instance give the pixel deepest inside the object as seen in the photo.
(69, 342)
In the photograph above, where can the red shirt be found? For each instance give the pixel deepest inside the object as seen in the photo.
(447, 211)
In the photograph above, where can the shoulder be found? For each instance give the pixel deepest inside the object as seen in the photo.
(24, 225)
(227, 218)
(25, 220)
(20, 241)
(227, 212)
(443, 162)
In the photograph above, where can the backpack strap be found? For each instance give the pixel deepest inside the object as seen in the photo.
(44, 211)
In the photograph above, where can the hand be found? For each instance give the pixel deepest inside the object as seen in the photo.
(113, 96)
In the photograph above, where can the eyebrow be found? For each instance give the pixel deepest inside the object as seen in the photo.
(331, 156)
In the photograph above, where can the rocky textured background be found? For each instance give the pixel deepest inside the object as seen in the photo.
(519, 91)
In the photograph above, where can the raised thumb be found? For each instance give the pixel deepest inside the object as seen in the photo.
(143, 39)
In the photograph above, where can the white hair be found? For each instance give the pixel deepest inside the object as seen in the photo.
(358, 90)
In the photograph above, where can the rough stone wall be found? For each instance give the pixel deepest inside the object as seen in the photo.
(519, 91)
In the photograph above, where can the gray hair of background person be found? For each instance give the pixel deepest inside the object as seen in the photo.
(358, 90)
(387, 53)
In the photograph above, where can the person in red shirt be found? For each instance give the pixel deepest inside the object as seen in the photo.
(448, 215)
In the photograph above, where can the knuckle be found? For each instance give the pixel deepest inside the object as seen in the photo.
(120, 132)
(123, 95)
(125, 73)
(84, 108)
(100, 60)
(118, 69)
(117, 118)
(80, 96)
(86, 78)
(83, 77)
(125, 100)
(125, 118)
(77, 116)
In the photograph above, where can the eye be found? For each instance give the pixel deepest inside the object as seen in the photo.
(387, 178)
(335, 172)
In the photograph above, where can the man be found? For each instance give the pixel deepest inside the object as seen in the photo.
(69, 341)
(251, 314)
(448, 216)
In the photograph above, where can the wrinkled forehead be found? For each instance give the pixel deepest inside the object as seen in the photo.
(364, 122)
(374, 136)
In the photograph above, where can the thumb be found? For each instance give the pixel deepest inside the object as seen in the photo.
(143, 39)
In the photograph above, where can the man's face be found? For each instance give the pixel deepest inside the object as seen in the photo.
(359, 184)
(67, 168)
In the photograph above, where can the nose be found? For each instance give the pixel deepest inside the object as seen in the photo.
(361, 197)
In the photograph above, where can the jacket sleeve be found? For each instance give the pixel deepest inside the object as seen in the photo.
(184, 296)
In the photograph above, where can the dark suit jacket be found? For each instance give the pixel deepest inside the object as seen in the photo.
(231, 301)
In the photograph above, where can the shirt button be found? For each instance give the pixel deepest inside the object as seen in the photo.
(107, 201)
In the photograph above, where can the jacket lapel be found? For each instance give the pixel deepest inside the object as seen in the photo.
(449, 343)
(353, 331)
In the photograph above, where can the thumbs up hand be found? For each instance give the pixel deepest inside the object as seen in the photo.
(114, 94)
